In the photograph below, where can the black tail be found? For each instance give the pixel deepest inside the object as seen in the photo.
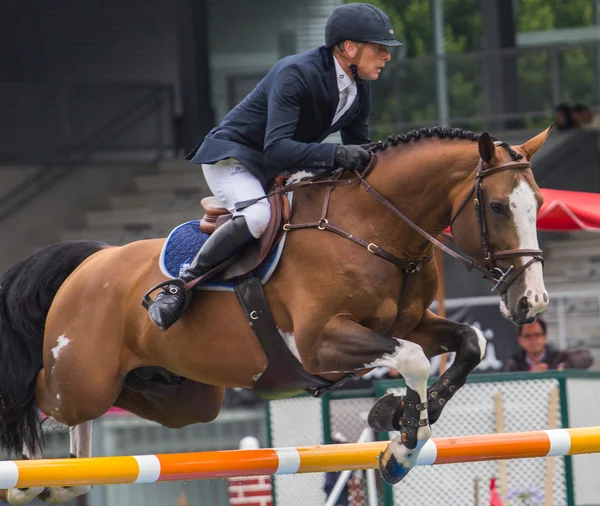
(26, 292)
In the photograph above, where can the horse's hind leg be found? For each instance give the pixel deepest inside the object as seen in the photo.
(81, 446)
(80, 438)
(23, 495)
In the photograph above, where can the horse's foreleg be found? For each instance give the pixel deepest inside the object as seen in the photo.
(469, 345)
(436, 335)
(23, 495)
(345, 345)
(80, 438)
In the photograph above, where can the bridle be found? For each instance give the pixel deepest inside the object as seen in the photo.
(490, 270)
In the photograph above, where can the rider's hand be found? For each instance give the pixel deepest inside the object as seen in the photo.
(351, 157)
(541, 367)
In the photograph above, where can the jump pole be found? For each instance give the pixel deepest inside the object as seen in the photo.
(339, 457)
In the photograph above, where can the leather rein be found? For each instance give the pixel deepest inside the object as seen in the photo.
(490, 270)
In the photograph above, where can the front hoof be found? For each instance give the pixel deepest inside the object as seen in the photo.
(392, 471)
(382, 414)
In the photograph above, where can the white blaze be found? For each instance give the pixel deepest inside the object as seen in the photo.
(524, 209)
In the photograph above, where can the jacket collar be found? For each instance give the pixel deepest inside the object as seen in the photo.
(330, 78)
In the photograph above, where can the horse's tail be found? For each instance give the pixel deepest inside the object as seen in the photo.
(26, 292)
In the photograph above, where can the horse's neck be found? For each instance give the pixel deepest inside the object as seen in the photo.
(423, 180)
(420, 181)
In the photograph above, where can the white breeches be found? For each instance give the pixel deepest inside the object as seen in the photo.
(232, 182)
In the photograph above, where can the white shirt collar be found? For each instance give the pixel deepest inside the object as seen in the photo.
(343, 80)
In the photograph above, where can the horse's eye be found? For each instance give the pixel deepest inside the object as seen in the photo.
(498, 208)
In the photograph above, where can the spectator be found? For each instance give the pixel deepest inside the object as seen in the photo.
(563, 117)
(585, 117)
(536, 355)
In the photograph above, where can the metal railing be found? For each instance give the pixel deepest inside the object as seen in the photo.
(43, 121)
(142, 121)
(496, 90)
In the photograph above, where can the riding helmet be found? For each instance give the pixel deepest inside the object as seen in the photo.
(359, 22)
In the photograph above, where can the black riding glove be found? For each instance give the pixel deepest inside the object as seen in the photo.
(351, 157)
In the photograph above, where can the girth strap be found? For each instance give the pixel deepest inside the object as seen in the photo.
(284, 374)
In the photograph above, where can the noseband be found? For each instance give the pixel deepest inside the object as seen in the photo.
(491, 270)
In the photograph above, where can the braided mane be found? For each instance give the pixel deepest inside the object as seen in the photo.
(439, 133)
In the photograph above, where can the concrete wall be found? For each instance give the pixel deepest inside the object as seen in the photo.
(63, 206)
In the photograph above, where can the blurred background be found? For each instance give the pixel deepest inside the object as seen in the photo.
(100, 101)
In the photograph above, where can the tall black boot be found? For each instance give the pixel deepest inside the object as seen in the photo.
(173, 300)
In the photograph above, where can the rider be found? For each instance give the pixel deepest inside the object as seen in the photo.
(281, 125)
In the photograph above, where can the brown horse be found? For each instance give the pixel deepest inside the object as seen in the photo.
(72, 327)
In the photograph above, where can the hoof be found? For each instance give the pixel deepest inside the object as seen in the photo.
(392, 471)
(381, 416)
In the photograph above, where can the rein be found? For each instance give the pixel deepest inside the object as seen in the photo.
(490, 270)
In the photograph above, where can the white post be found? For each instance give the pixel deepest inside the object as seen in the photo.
(372, 488)
(365, 436)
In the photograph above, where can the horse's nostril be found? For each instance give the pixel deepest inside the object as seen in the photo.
(524, 304)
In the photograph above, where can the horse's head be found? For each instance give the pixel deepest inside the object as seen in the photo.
(494, 221)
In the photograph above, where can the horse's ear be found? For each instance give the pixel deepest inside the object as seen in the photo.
(532, 145)
(487, 148)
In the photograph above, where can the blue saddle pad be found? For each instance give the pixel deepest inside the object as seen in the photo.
(186, 240)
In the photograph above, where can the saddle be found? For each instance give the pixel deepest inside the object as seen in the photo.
(284, 375)
(250, 257)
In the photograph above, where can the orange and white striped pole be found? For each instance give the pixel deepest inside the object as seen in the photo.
(234, 463)
(250, 490)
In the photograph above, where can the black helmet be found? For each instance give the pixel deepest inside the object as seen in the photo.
(361, 23)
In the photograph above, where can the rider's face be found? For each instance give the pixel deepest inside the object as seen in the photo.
(373, 59)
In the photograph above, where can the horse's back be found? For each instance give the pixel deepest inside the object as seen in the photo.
(120, 265)
(108, 286)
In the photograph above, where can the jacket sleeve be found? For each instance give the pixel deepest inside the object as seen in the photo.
(580, 358)
(511, 365)
(280, 148)
(357, 131)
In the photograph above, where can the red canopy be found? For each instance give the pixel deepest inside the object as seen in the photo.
(567, 211)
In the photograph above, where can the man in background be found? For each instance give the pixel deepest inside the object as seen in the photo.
(536, 355)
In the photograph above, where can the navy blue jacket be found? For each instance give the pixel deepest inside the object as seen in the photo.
(282, 122)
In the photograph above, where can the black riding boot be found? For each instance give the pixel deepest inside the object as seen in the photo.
(172, 301)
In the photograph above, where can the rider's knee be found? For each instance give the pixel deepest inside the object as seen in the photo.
(258, 217)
